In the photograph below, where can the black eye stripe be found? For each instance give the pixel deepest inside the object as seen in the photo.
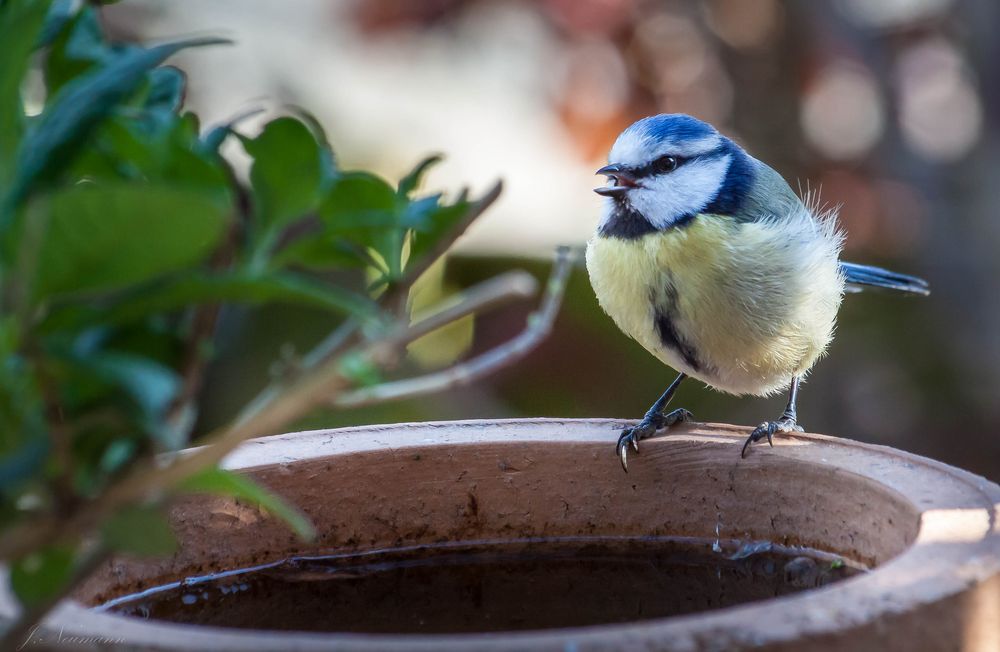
(661, 165)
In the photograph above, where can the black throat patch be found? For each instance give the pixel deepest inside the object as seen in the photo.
(625, 223)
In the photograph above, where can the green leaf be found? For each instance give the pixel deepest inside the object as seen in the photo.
(101, 447)
(41, 574)
(105, 236)
(77, 46)
(240, 287)
(214, 137)
(359, 369)
(437, 223)
(212, 141)
(322, 252)
(166, 90)
(151, 385)
(287, 171)
(411, 181)
(60, 13)
(52, 142)
(24, 440)
(153, 145)
(359, 201)
(226, 483)
(143, 531)
(17, 466)
(420, 214)
(366, 210)
(116, 455)
(20, 24)
(328, 163)
(127, 392)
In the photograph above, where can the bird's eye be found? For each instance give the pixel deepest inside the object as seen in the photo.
(665, 164)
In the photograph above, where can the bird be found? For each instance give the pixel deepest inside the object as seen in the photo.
(708, 259)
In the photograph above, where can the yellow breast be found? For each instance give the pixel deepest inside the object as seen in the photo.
(750, 304)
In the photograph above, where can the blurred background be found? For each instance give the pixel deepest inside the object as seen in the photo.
(890, 107)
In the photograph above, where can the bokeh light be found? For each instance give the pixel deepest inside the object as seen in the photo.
(940, 113)
(745, 25)
(892, 13)
(842, 113)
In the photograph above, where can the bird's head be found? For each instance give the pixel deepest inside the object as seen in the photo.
(665, 169)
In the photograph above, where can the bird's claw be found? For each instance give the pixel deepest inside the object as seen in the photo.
(646, 428)
(769, 429)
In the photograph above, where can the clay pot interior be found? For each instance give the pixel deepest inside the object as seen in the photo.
(425, 484)
(517, 492)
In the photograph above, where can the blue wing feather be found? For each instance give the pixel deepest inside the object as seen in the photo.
(866, 275)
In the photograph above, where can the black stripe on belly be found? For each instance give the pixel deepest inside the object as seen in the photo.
(667, 331)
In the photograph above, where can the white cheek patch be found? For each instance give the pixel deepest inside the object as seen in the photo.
(666, 198)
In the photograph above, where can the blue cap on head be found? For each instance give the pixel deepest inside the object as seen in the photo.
(675, 134)
(676, 127)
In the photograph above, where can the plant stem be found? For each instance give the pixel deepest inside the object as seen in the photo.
(182, 412)
(488, 294)
(275, 407)
(538, 327)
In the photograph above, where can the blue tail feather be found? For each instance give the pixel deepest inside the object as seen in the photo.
(856, 275)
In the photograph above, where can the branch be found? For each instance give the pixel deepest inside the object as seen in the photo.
(274, 408)
(488, 294)
(539, 325)
(484, 296)
(279, 405)
(183, 411)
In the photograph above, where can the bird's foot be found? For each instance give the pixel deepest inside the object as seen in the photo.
(769, 429)
(647, 428)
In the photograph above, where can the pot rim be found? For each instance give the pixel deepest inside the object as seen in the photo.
(957, 544)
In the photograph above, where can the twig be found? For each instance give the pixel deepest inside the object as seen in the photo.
(60, 435)
(275, 407)
(538, 327)
(488, 294)
(279, 405)
(149, 479)
(182, 411)
(181, 414)
(338, 339)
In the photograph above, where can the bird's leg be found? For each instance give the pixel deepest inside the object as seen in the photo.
(787, 422)
(653, 421)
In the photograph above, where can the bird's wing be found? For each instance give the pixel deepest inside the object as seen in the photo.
(865, 275)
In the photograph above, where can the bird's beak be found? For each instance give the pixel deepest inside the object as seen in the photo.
(622, 181)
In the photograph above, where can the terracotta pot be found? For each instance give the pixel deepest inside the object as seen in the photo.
(929, 530)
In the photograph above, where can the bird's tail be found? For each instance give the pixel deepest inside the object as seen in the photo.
(864, 275)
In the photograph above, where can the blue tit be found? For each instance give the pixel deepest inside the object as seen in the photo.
(707, 258)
